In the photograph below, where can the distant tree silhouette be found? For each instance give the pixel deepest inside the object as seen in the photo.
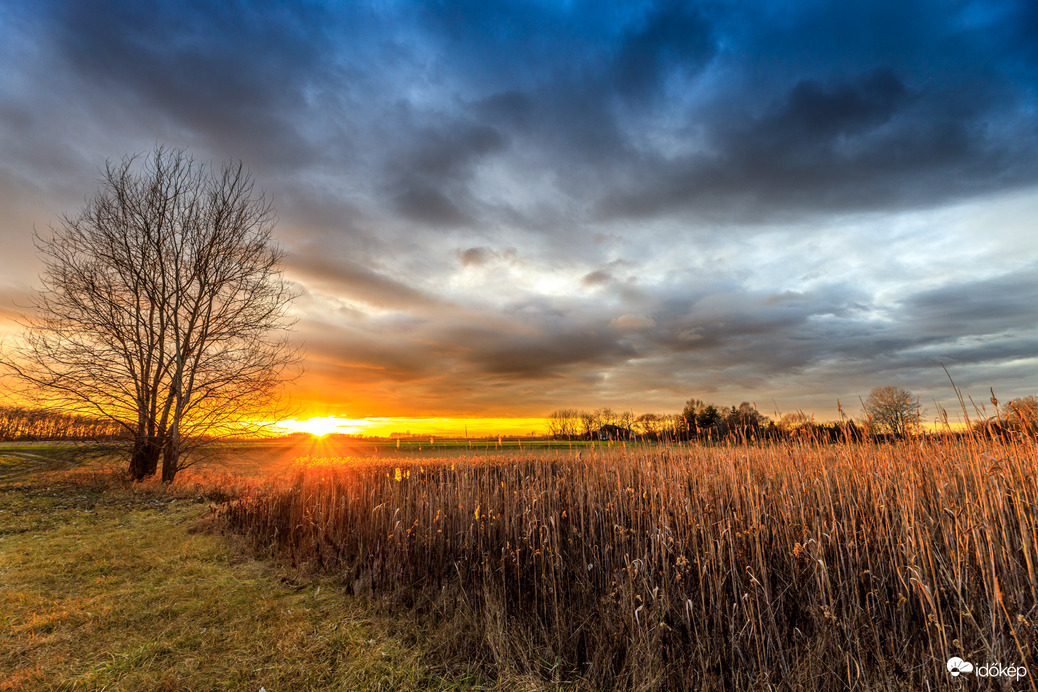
(703, 420)
(746, 421)
(651, 426)
(26, 423)
(892, 411)
(564, 423)
(589, 423)
(796, 424)
(625, 421)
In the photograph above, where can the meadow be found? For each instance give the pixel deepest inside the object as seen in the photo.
(789, 566)
(111, 585)
(317, 564)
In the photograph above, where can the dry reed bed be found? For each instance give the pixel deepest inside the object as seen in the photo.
(814, 567)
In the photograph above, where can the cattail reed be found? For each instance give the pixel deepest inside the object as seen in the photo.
(733, 567)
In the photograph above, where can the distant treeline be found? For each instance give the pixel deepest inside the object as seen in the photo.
(702, 421)
(699, 420)
(24, 423)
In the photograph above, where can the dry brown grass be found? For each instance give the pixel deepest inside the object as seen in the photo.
(788, 566)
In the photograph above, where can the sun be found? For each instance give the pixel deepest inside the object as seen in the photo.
(319, 427)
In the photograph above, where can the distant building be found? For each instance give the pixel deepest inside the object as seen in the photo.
(612, 432)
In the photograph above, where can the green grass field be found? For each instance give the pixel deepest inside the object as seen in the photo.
(105, 586)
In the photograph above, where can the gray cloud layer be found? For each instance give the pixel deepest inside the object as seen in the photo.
(502, 207)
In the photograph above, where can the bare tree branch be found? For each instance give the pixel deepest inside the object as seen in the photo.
(163, 308)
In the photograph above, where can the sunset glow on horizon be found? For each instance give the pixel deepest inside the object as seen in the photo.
(458, 428)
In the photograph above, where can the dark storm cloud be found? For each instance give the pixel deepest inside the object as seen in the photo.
(469, 362)
(978, 325)
(484, 199)
(930, 109)
(813, 111)
(423, 203)
(731, 334)
(568, 341)
(672, 36)
(830, 108)
(976, 308)
(870, 141)
(239, 73)
(438, 163)
(543, 354)
(760, 333)
(363, 357)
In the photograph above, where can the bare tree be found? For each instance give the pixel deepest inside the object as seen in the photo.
(746, 420)
(796, 424)
(892, 410)
(163, 308)
(625, 420)
(556, 424)
(652, 425)
(590, 421)
(563, 423)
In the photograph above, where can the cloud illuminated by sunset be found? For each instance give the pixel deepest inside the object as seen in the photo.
(494, 210)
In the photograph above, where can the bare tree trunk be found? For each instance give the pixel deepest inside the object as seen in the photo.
(144, 460)
(170, 458)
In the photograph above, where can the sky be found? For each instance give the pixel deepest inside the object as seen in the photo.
(493, 210)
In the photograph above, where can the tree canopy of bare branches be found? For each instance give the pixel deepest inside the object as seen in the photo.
(163, 308)
(892, 410)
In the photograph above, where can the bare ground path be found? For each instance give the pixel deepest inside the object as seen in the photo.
(16, 463)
